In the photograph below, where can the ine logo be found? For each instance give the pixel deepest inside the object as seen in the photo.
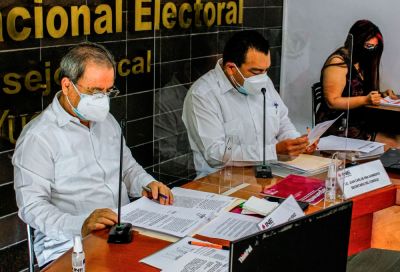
(347, 173)
(245, 254)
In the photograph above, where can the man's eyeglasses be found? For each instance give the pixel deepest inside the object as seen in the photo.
(111, 92)
(370, 46)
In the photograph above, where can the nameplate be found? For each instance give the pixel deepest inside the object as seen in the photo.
(364, 178)
(287, 211)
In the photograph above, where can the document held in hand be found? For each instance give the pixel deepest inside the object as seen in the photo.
(320, 129)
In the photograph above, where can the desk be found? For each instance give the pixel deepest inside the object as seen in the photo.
(101, 256)
(384, 108)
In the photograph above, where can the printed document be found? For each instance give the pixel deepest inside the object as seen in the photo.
(230, 226)
(347, 144)
(148, 214)
(196, 263)
(187, 198)
(168, 256)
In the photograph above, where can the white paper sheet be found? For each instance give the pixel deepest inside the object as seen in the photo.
(287, 211)
(168, 256)
(387, 101)
(364, 178)
(195, 263)
(306, 163)
(259, 205)
(231, 226)
(342, 144)
(320, 129)
(148, 214)
(187, 198)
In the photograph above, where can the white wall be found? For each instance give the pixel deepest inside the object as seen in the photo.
(313, 29)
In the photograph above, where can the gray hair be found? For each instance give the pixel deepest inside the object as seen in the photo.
(73, 64)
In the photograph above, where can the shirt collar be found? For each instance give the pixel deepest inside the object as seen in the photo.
(223, 80)
(62, 116)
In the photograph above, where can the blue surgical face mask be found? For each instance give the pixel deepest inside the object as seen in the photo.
(251, 85)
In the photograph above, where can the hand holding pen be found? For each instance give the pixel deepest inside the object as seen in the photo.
(157, 190)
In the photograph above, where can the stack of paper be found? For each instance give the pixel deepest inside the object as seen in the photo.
(148, 214)
(259, 206)
(186, 198)
(175, 255)
(358, 149)
(304, 164)
(387, 101)
(191, 210)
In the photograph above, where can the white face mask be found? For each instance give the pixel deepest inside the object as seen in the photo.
(91, 107)
(251, 85)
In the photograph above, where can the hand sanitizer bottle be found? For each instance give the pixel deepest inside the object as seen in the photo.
(78, 256)
(330, 184)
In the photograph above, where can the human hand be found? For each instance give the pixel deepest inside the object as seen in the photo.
(99, 219)
(292, 147)
(374, 98)
(310, 149)
(391, 94)
(159, 191)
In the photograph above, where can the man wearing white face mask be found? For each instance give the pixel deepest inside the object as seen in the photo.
(227, 101)
(66, 160)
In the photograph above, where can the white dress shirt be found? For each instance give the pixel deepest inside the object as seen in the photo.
(63, 171)
(214, 109)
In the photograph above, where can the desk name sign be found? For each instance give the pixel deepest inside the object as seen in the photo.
(287, 211)
(364, 178)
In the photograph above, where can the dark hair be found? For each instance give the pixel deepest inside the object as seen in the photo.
(362, 31)
(73, 64)
(236, 48)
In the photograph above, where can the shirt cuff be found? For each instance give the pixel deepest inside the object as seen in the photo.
(73, 226)
(137, 189)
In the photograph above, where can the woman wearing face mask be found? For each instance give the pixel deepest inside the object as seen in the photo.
(367, 42)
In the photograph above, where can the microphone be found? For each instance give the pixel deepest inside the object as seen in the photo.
(263, 170)
(121, 232)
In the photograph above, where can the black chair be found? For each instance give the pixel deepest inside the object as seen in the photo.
(317, 96)
(31, 252)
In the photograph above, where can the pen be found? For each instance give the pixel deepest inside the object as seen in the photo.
(147, 189)
(204, 244)
(276, 107)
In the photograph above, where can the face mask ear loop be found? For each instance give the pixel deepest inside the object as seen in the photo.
(237, 85)
(75, 110)
(239, 72)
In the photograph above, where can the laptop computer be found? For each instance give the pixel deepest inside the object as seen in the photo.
(316, 242)
(391, 160)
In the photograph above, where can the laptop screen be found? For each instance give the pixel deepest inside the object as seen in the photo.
(316, 242)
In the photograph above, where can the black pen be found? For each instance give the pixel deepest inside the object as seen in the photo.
(147, 189)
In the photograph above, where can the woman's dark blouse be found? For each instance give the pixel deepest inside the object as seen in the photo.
(357, 122)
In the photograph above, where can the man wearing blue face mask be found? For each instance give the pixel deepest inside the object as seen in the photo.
(66, 160)
(227, 101)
